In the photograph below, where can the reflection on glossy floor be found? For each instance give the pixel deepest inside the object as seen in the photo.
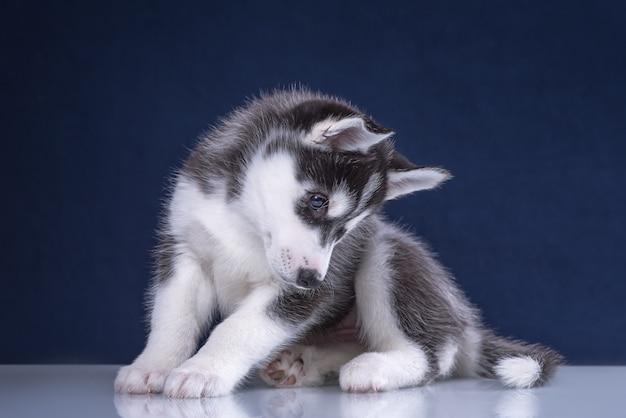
(69, 391)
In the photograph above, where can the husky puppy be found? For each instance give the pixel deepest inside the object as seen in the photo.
(273, 225)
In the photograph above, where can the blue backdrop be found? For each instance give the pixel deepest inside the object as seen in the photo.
(524, 101)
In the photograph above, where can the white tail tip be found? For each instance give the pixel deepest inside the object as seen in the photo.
(518, 372)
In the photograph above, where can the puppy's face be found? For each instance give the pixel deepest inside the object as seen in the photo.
(310, 187)
(302, 204)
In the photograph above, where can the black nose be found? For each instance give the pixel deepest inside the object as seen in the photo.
(309, 279)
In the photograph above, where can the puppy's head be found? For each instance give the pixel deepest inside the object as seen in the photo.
(314, 182)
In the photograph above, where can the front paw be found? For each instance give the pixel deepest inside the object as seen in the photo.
(140, 380)
(190, 382)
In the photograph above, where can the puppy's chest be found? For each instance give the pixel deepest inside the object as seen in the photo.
(234, 265)
(232, 257)
(233, 272)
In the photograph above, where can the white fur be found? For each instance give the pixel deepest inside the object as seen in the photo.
(518, 372)
(373, 184)
(447, 358)
(339, 204)
(241, 284)
(373, 307)
(356, 137)
(404, 182)
(180, 309)
(355, 221)
(212, 229)
(242, 340)
(383, 371)
(396, 361)
(269, 197)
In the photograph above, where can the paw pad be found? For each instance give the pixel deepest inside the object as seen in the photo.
(286, 370)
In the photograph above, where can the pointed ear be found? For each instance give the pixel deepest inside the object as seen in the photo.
(348, 134)
(401, 182)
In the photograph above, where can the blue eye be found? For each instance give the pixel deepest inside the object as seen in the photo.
(318, 201)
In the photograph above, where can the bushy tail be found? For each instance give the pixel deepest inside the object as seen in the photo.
(517, 364)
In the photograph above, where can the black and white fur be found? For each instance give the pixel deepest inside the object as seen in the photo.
(273, 225)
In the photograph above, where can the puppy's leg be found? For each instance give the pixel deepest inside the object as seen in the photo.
(395, 360)
(243, 340)
(402, 366)
(181, 309)
(309, 365)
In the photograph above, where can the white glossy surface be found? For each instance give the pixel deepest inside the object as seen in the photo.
(87, 391)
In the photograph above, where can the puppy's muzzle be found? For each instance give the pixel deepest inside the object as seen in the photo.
(309, 279)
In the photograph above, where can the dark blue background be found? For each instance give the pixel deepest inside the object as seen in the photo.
(524, 101)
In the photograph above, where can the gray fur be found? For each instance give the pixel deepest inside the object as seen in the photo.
(429, 307)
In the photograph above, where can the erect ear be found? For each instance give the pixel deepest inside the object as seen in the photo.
(401, 182)
(353, 133)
